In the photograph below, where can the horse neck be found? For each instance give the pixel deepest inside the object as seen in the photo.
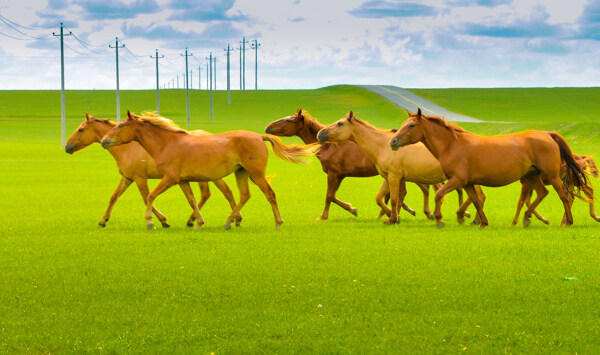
(100, 129)
(153, 139)
(309, 131)
(437, 139)
(370, 139)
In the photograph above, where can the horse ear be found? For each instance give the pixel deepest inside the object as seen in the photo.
(130, 115)
(419, 113)
(299, 112)
(88, 117)
(409, 113)
(350, 115)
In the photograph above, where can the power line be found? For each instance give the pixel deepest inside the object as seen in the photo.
(25, 27)
(19, 31)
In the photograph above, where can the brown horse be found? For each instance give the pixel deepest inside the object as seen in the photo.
(469, 159)
(182, 157)
(586, 163)
(339, 160)
(134, 164)
(414, 163)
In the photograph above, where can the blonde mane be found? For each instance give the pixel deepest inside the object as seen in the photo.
(166, 124)
(368, 125)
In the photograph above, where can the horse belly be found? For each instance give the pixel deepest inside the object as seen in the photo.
(499, 175)
(207, 168)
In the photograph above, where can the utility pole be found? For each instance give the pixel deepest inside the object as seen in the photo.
(228, 80)
(207, 76)
(255, 46)
(215, 70)
(192, 78)
(62, 83)
(244, 62)
(199, 78)
(157, 89)
(240, 50)
(116, 47)
(178, 81)
(210, 60)
(187, 86)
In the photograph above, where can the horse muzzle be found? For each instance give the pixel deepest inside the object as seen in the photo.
(322, 136)
(396, 143)
(106, 143)
(269, 130)
(69, 148)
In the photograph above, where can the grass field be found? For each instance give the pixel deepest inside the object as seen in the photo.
(348, 284)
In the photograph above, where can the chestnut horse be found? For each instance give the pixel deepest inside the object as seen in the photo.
(413, 163)
(469, 159)
(134, 164)
(339, 160)
(586, 163)
(182, 157)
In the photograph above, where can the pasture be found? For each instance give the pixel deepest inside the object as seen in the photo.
(348, 284)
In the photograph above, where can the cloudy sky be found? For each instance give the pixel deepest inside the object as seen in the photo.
(304, 43)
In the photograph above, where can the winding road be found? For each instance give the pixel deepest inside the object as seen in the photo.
(410, 101)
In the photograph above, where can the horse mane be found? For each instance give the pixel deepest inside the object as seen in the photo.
(311, 123)
(367, 124)
(155, 120)
(454, 129)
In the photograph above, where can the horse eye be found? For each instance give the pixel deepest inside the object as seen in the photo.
(411, 125)
(340, 124)
(80, 130)
(290, 120)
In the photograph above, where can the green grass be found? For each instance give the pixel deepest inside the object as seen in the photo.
(348, 284)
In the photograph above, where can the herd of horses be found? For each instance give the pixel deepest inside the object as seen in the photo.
(426, 150)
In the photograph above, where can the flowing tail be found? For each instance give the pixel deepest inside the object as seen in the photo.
(575, 176)
(293, 153)
(590, 164)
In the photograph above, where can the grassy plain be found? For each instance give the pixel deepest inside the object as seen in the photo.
(348, 284)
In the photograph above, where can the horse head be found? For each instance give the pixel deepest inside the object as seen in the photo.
(122, 133)
(338, 131)
(287, 126)
(411, 131)
(89, 131)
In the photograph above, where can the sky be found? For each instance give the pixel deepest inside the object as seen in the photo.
(304, 44)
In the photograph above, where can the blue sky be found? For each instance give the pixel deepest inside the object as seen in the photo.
(304, 43)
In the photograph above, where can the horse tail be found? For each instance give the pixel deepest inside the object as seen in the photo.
(293, 153)
(575, 176)
(590, 164)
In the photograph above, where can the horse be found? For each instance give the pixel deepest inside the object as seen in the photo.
(339, 160)
(413, 163)
(134, 164)
(468, 159)
(585, 162)
(182, 157)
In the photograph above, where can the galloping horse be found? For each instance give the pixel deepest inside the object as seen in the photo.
(585, 162)
(182, 157)
(469, 159)
(340, 160)
(135, 164)
(413, 163)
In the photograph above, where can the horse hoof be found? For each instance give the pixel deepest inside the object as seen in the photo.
(467, 214)
(101, 225)
(440, 225)
(238, 222)
(322, 218)
(189, 224)
(149, 225)
(354, 212)
(526, 223)
(460, 220)
(545, 221)
(430, 217)
(198, 226)
(412, 212)
(165, 225)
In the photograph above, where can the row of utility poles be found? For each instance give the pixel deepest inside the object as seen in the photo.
(212, 60)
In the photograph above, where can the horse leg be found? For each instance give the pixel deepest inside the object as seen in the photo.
(226, 191)
(383, 191)
(204, 195)
(535, 212)
(590, 195)
(535, 181)
(450, 185)
(142, 185)
(270, 195)
(478, 203)
(333, 184)
(241, 177)
(523, 197)
(189, 194)
(162, 186)
(397, 192)
(123, 185)
(425, 189)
